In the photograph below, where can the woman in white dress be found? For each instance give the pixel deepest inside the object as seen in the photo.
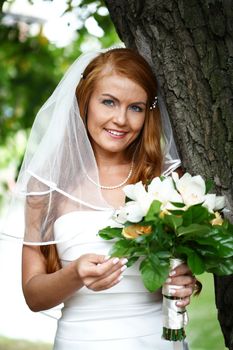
(101, 129)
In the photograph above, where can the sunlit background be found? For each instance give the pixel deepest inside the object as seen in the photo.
(38, 41)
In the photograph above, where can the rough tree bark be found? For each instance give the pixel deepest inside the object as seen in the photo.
(190, 47)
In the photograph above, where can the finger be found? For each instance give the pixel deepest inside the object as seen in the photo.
(117, 266)
(182, 269)
(108, 267)
(181, 280)
(181, 292)
(183, 302)
(99, 265)
(106, 282)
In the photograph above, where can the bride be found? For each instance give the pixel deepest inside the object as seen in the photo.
(103, 127)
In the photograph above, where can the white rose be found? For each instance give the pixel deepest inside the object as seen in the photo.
(139, 194)
(191, 188)
(132, 211)
(219, 202)
(213, 202)
(135, 191)
(164, 191)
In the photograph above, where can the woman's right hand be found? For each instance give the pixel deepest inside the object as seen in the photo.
(98, 272)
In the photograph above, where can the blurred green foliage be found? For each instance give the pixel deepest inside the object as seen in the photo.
(30, 69)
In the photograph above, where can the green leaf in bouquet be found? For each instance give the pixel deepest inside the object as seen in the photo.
(173, 221)
(196, 263)
(182, 252)
(122, 248)
(196, 214)
(144, 238)
(176, 212)
(220, 239)
(164, 254)
(139, 250)
(108, 232)
(160, 239)
(153, 211)
(224, 246)
(208, 185)
(178, 204)
(154, 259)
(187, 217)
(201, 214)
(227, 226)
(193, 230)
(221, 250)
(153, 275)
(132, 260)
(220, 267)
(206, 251)
(156, 246)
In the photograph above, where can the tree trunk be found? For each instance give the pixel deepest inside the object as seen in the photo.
(190, 47)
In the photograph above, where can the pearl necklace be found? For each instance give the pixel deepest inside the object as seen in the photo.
(112, 187)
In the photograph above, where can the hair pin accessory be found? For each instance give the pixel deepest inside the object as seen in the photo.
(154, 104)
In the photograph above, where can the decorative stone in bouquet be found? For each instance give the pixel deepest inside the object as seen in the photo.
(174, 318)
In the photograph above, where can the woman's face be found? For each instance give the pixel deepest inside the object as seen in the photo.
(116, 114)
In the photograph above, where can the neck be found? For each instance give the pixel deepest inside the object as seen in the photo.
(114, 171)
(104, 160)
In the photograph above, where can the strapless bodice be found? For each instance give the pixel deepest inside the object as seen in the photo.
(125, 316)
(78, 231)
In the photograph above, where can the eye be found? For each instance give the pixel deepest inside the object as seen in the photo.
(136, 108)
(108, 102)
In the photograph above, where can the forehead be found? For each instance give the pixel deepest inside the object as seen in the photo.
(119, 86)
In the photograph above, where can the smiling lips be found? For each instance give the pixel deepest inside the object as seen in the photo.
(116, 133)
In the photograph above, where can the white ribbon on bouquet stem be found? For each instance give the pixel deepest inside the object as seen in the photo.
(174, 317)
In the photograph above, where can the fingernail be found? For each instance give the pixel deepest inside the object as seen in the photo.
(123, 268)
(172, 273)
(124, 261)
(120, 278)
(168, 280)
(115, 261)
(107, 257)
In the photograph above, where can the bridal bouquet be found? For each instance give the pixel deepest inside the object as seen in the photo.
(169, 221)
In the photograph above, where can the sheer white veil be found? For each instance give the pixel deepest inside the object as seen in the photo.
(52, 181)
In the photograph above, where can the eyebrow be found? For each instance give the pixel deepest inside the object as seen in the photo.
(116, 99)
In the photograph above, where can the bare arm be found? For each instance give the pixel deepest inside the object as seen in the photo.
(43, 291)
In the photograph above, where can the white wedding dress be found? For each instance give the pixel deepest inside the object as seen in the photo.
(125, 317)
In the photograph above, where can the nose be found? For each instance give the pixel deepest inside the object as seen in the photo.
(120, 116)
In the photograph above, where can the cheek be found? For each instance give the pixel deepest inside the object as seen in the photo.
(137, 124)
(92, 120)
(96, 116)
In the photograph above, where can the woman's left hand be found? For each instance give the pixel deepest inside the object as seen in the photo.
(182, 276)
